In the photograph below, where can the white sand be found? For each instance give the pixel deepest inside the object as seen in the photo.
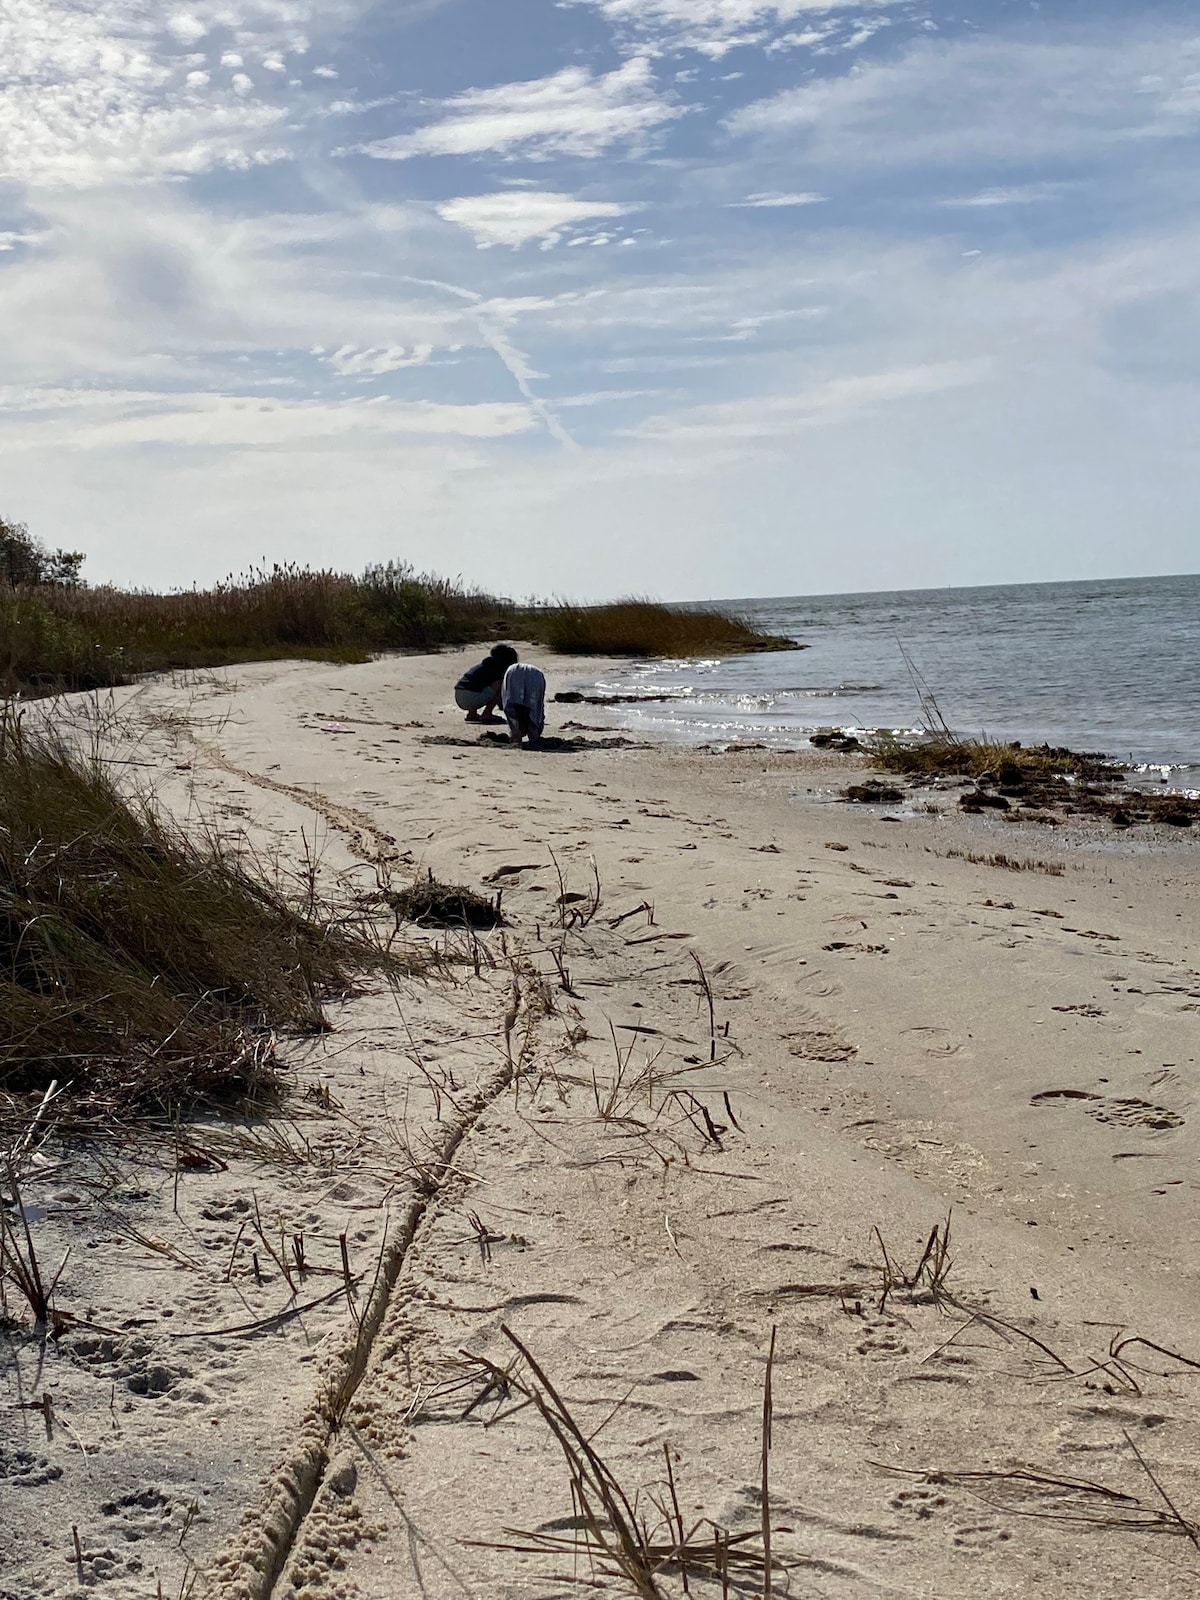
(896, 1029)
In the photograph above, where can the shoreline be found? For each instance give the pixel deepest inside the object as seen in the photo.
(902, 1027)
(1149, 775)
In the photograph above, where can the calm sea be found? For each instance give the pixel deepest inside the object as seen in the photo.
(1111, 666)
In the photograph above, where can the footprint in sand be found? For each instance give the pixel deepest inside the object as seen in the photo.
(22, 1469)
(139, 1516)
(882, 1339)
(1124, 1111)
(979, 1537)
(924, 1504)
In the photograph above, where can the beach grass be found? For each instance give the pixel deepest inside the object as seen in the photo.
(640, 627)
(142, 965)
(65, 637)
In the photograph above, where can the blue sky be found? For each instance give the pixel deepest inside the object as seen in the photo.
(690, 297)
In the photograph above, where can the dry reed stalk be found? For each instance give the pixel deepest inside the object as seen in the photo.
(1083, 1501)
(614, 1536)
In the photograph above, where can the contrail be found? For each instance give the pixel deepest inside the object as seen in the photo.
(515, 362)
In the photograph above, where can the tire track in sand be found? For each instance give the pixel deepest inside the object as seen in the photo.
(252, 1562)
(368, 841)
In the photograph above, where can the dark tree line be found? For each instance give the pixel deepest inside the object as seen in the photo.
(25, 560)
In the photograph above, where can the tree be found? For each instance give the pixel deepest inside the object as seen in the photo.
(26, 560)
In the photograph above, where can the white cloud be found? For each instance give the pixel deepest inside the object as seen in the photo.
(765, 417)
(990, 99)
(1013, 195)
(94, 420)
(187, 28)
(242, 84)
(572, 112)
(714, 27)
(100, 93)
(515, 216)
(770, 200)
(350, 361)
(231, 58)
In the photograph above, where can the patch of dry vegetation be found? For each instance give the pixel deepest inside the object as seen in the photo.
(1006, 765)
(1040, 780)
(57, 633)
(139, 966)
(431, 903)
(639, 627)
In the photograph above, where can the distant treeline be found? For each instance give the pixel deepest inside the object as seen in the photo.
(59, 633)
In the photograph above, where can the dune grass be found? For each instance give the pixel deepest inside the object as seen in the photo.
(140, 966)
(60, 634)
(640, 627)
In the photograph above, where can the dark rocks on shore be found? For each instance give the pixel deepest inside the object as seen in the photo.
(872, 793)
(843, 743)
(982, 800)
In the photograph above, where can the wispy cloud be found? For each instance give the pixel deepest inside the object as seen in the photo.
(330, 340)
(96, 419)
(350, 362)
(515, 216)
(572, 112)
(989, 99)
(715, 27)
(771, 200)
(1021, 194)
(765, 417)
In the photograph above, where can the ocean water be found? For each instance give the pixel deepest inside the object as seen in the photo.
(1111, 666)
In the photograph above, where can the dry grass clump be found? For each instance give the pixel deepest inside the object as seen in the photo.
(432, 903)
(57, 633)
(639, 627)
(1039, 780)
(138, 965)
(1008, 766)
(79, 637)
(636, 1538)
(998, 858)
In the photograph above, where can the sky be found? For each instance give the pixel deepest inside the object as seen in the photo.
(691, 298)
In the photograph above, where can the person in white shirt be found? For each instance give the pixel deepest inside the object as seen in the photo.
(523, 700)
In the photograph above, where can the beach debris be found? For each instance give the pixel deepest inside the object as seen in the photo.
(1038, 781)
(872, 793)
(428, 901)
(983, 800)
(833, 739)
(575, 697)
(641, 1536)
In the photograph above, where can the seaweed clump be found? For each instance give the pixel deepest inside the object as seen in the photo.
(1035, 782)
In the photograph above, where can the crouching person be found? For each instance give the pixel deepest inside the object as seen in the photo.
(478, 690)
(523, 698)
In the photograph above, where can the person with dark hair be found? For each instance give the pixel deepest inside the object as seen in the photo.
(523, 696)
(478, 690)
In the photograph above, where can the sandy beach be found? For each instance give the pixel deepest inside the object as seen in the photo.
(272, 1383)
